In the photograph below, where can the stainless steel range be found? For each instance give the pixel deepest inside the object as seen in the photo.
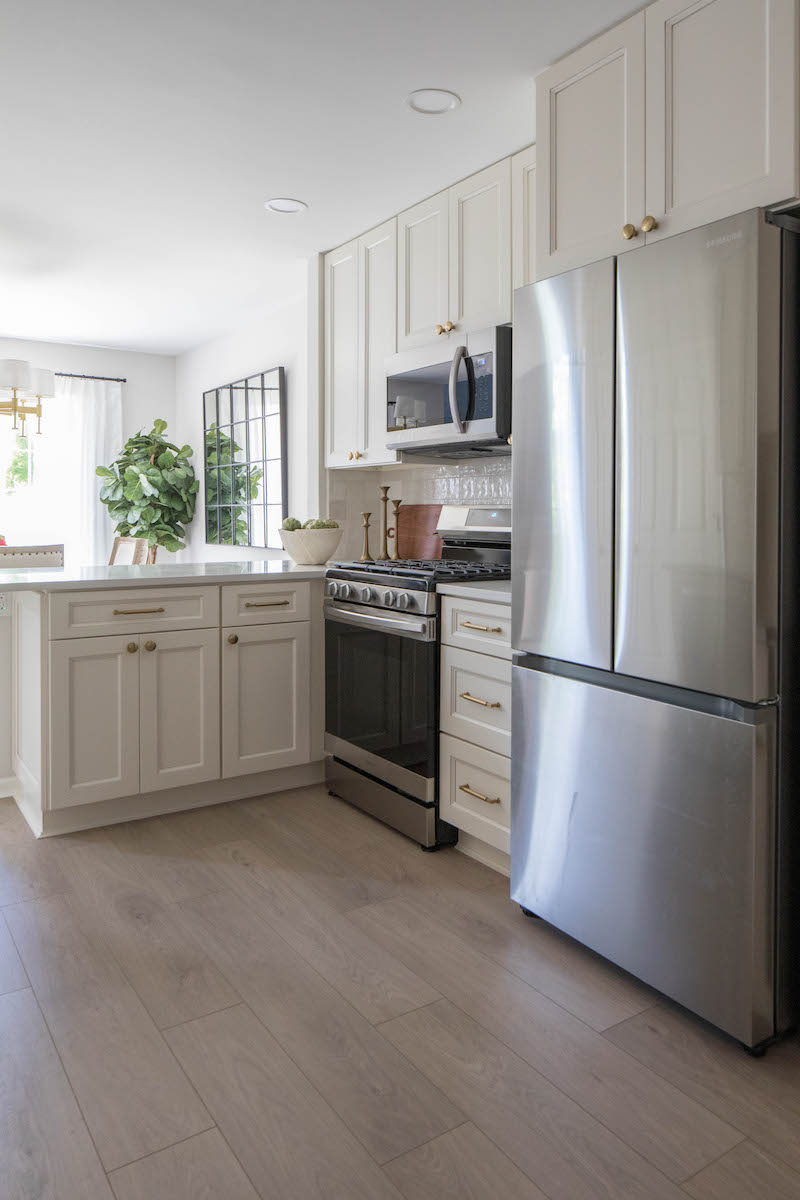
(382, 671)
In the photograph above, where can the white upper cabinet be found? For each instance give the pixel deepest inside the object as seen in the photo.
(590, 133)
(721, 109)
(422, 283)
(480, 250)
(523, 218)
(343, 412)
(377, 331)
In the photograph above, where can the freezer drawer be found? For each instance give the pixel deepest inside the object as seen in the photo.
(646, 831)
(563, 466)
(698, 337)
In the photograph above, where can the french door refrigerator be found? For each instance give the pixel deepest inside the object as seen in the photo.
(655, 591)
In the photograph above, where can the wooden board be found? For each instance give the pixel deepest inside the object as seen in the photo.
(417, 531)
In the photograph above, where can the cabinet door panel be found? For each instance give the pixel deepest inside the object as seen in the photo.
(422, 285)
(523, 217)
(721, 109)
(480, 249)
(266, 698)
(343, 425)
(377, 331)
(590, 133)
(94, 720)
(179, 708)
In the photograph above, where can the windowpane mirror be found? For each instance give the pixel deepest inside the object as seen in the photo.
(246, 494)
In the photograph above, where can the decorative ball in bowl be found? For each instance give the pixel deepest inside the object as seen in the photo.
(311, 544)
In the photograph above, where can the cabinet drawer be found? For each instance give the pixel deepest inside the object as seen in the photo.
(130, 610)
(265, 603)
(476, 698)
(475, 790)
(474, 625)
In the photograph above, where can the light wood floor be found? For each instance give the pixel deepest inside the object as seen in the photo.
(284, 999)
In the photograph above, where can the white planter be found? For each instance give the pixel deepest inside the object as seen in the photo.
(310, 547)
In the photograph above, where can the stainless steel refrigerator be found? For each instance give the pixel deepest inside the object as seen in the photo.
(655, 594)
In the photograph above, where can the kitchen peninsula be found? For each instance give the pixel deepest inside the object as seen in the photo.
(145, 690)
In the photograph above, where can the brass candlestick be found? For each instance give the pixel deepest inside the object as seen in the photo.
(384, 550)
(394, 531)
(365, 554)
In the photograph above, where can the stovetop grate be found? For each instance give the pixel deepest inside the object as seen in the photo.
(430, 568)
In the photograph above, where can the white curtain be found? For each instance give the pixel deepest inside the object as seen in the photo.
(81, 430)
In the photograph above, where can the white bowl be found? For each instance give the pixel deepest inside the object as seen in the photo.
(310, 547)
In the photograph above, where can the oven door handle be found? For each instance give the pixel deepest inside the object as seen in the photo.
(459, 356)
(421, 628)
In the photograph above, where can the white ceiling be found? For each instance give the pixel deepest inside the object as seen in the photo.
(140, 139)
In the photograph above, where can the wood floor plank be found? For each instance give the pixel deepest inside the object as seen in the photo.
(31, 868)
(201, 827)
(588, 986)
(172, 974)
(385, 1101)
(202, 1168)
(745, 1173)
(131, 1091)
(461, 1165)
(12, 972)
(759, 1096)
(359, 968)
(171, 869)
(291, 1143)
(556, 1143)
(673, 1132)
(45, 1149)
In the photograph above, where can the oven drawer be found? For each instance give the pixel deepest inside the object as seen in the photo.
(475, 625)
(475, 791)
(265, 603)
(131, 610)
(476, 699)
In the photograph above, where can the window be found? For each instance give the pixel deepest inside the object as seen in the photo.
(246, 494)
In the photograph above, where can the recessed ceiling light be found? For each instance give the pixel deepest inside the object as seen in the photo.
(284, 204)
(433, 101)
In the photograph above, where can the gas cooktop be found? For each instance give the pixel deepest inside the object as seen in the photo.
(428, 568)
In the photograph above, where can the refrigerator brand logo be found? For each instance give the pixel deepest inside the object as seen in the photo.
(724, 238)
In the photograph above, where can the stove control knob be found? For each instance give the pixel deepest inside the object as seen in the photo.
(343, 591)
(403, 600)
(366, 594)
(331, 588)
(388, 599)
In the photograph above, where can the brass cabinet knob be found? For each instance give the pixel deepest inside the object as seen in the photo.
(449, 326)
(629, 231)
(358, 454)
(649, 224)
(438, 329)
(149, 645)
(132, 647)
(349, 455)
(508, 439)
(233, 638)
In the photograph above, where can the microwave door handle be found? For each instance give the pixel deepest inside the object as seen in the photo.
(459, 356)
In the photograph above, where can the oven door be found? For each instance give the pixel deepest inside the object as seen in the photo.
(381, 694)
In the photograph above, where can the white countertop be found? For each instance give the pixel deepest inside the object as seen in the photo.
(49, 579)
(496, 590)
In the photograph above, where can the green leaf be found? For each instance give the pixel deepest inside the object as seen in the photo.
(185, 452)
(104, 472)
(158, 427)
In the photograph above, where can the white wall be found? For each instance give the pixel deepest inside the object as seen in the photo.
(148, 393)
(280, 335)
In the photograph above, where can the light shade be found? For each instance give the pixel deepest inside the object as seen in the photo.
(285, 204)
(43, 383)
(433, 102)
(15, 373)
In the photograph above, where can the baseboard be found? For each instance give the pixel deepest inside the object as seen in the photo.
(156, 804)
(490, 856)
(8, 786)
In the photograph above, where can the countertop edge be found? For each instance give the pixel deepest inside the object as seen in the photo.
(44, 579)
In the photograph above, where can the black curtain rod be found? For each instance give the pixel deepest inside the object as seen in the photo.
(105, 378)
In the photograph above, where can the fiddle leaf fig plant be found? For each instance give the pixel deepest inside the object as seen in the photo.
(150, 490)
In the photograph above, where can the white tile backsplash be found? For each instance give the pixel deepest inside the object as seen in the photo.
(352, 492)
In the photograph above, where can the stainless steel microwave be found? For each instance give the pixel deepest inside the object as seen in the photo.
(455, 404)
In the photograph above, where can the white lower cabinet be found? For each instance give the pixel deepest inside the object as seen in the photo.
(476, 698)
(178, 709)
(475, 790)
(94, 719)
(266, 684)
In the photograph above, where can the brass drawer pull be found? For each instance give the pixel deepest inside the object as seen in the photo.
(477, 700)
(464, 787)
(267, 603)
(482, 628)
(135, 612)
